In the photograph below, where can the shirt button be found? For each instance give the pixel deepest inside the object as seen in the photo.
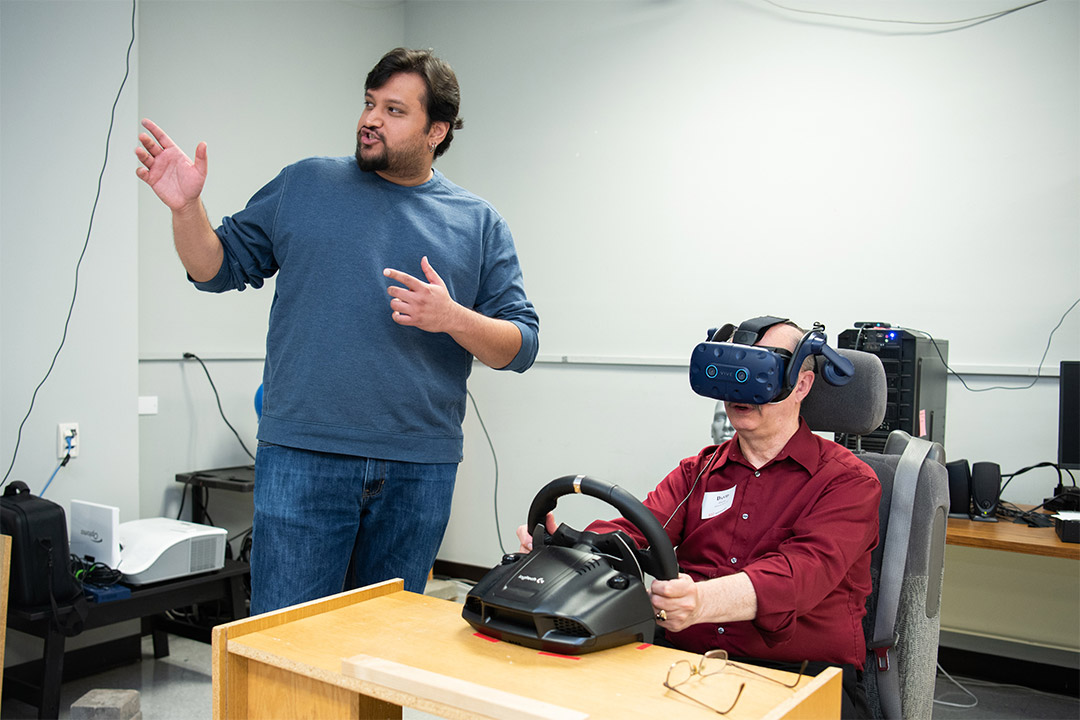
(745, 516)
(757, 473)
(734, 560)
(719, 631)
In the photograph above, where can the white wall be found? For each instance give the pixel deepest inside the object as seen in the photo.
(667, 166)
(61, 66)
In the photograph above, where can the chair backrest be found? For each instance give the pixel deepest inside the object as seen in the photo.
(907, 567)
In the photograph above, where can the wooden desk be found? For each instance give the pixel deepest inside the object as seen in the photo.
(301, 662)
(1010, 536)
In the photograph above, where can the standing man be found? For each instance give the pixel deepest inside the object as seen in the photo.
(390, 279)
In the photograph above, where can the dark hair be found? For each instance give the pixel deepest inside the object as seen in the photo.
(443, 97)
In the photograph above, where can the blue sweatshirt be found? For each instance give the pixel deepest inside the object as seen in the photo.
(341, 376)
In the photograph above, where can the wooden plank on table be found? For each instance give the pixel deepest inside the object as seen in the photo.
(468, 696)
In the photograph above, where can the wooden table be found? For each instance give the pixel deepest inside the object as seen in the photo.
(1007, 535)
(368, 652)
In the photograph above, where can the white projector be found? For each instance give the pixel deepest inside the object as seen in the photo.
(156, 549)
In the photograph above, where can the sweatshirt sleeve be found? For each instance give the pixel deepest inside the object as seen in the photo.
(247, 240)
(502, 294)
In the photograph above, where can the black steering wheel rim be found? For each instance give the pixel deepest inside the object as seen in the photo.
(660, 552)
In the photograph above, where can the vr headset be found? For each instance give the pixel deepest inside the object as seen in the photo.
(728, 366)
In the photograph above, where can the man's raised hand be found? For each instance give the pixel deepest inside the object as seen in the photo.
(167, 170)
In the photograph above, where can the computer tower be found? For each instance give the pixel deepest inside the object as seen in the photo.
(916, 377)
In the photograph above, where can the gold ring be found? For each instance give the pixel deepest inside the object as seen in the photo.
(661, 615)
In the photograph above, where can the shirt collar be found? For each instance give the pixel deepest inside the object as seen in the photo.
(802, 447)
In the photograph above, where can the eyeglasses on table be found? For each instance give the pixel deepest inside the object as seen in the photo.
(711, 663)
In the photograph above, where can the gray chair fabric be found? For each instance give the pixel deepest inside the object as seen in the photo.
(918, 619)
(854, 409)
(858, 408)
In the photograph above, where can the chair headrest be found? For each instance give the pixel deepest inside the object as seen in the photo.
(856, 408)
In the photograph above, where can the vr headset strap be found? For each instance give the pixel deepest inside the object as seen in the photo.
(750, 331)
(893, 565)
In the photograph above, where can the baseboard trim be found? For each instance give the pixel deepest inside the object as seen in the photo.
(1002, 647)
(1010, 671)
(459, 570)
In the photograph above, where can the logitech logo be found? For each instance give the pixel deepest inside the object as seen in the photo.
(92, 534)
(530, 578)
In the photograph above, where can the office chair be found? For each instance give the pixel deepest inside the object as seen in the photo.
(907, 567)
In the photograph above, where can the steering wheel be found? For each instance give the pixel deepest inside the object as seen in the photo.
(658, 559)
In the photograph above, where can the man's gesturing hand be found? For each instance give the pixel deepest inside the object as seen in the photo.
(426, 305)
(167, 170)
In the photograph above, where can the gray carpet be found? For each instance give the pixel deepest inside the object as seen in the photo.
(1005, 702)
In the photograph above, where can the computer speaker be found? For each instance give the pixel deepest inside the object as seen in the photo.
(985, 487)
(959, 488)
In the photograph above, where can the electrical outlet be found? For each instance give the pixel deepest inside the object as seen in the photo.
(67, 440)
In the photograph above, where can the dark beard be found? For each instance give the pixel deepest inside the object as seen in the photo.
(382, 162)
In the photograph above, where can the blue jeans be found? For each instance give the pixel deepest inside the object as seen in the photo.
(325, 523)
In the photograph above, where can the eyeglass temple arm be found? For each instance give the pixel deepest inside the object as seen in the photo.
(802, 669)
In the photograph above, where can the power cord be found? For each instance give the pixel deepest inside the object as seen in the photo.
(975, 700)
(977, 20)
(78, 265)
(1035, 466)
(1038, 372)
(47, 484)
(498, 527)
(67, 458)
(94, 573)
(193, 356)
(183, 497)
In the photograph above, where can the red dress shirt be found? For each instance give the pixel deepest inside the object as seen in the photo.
(802, 528)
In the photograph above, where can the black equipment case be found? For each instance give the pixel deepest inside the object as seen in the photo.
(40, 556)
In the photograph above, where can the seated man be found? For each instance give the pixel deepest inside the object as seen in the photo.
(773, 531)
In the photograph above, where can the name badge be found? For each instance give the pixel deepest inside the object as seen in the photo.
(716, 503)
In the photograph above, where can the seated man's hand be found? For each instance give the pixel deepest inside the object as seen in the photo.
(678, 601)
(525, 533)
